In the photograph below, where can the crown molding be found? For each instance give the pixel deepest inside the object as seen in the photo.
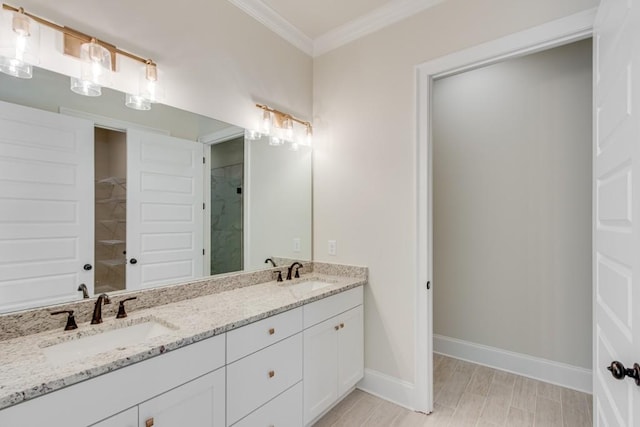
(377, 19)
(276, 23)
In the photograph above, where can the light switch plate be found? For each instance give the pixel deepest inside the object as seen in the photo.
(332, 247)
(296, 244)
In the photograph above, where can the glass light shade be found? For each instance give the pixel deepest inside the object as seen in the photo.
(96, 63)
(137, 102)
(19, 44)
(84, 87)
(149, 83)
(287, 127)
(252, 135)
(309, 136)
(266, 121)
(274, 140)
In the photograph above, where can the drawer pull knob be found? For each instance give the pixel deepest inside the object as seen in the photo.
(148, 423)
(336, 327)
(272, 331)
(341, 325)
(272, 374)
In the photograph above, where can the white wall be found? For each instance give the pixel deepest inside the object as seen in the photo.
(364, 158)
(216, 60)
(512, 205)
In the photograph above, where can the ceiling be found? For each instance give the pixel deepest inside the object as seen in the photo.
(315, 18)
(318, 26)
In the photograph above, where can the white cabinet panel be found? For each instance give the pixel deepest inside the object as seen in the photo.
(323, 309)
(128, 418)
(283, 411)
(320, 368)
(258, 378)
(200, 403)
(251, 338)
(350, 350)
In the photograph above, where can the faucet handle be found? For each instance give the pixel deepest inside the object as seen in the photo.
(121, 311)
(297, 275)
(71, 320)
(279, 279)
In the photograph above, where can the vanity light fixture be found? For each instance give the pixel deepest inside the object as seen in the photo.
(279, 127)
(19, 43)
(98, 58)
(95, 69)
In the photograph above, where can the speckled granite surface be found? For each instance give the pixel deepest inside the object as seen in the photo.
(25, 371)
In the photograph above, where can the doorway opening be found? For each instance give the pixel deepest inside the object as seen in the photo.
(110, 152)
(546, 36)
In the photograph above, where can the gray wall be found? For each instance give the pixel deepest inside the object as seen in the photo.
(512, 205)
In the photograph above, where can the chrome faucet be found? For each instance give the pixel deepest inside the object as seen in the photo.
(97, 311)
(291, 269)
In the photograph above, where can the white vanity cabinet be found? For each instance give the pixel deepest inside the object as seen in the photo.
(333, 350)
(128, 418)
(167, 388)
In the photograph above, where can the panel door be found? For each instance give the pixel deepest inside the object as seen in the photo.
(617, 210)
(198, 403)
(320, 368)
(350, 350)
(164, 209)
(46, 207)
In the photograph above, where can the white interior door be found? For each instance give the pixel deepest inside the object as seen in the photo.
(617, 210)
(164, 209)
(46, 207)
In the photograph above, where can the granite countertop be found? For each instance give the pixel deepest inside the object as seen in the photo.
(26, 373)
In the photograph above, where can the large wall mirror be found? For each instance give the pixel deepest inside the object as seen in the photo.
(94, 193)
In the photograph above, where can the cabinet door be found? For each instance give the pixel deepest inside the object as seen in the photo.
(198, 403)
(320, 368)
(283, 411)
(128, 418)
(350, 349)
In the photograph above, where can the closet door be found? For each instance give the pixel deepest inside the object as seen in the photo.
(164, 209)
(46, 207)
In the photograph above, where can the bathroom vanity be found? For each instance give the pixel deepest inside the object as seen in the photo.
(271, 353)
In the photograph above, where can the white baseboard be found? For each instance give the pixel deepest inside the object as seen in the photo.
(387, 387)
(528, 366)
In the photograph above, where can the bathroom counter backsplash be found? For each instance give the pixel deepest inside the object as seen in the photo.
(193, 311)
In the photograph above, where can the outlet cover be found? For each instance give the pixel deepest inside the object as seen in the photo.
(296, 244)
(332, 247)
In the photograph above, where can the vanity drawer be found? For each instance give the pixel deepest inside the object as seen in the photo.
(258, 378)
(283, 411)
(248, 339)
(323, 309)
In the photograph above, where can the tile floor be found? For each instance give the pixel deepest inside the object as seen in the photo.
(471, 395)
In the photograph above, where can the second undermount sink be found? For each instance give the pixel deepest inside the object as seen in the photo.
(303, 288)
(81, 346)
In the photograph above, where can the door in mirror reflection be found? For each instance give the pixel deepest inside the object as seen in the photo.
(46, 207)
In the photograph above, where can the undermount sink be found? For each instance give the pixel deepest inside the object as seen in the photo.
(83, 346)
(303, 288)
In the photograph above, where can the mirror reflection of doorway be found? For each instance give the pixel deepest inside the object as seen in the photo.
(110, 210)
(227, 187)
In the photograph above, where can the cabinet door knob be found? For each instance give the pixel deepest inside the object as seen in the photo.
(272, 374)
(341, 325)
(272, 331)
(336, 327)
(149, 422)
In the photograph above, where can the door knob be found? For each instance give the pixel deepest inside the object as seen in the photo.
(133, 261)
(87, 267)
(618, 371)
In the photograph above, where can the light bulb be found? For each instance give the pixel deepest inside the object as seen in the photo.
(19, 44)
(309, 136)
(288, 129)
